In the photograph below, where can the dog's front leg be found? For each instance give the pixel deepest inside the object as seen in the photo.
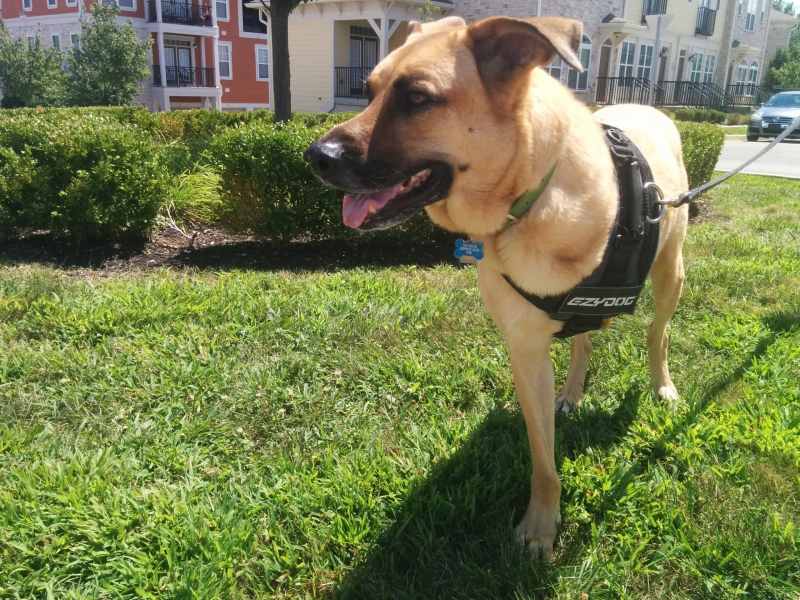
(533, 378)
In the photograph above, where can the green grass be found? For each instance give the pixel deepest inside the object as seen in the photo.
(355, 435)
(738, 130)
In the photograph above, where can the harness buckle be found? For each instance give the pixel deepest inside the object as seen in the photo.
(652, 185)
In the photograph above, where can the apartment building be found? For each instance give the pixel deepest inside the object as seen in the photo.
(660, 51)
(204, 53)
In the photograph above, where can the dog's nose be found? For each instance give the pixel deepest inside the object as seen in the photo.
(323, 156)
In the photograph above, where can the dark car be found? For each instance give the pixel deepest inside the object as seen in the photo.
(772, 118)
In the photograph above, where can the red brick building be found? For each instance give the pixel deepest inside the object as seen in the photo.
(204, 53)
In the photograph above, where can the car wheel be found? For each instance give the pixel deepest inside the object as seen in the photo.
(752, 138)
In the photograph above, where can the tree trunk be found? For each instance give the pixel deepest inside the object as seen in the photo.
(281, 89)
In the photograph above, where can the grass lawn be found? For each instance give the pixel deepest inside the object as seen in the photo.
(354, 434)
(737, 130)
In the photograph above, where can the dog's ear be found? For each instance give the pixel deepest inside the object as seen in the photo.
(504, 47)
(416, 28)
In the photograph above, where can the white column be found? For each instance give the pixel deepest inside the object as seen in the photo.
(215, 63)
(162, 64)
(384, 37)
(158, 11)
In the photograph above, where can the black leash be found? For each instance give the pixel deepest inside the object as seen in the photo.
(691, 195)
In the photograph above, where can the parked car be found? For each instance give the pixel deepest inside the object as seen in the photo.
(772, 118)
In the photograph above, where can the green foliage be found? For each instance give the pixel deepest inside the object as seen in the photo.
(86, 178)
(700, 115)
(193, 197)
(784, 72)
(702, 144)
(108, 66)
(29, 75)
(355, 434)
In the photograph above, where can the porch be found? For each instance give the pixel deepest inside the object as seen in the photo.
(183, 70)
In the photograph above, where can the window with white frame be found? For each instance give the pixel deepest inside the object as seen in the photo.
(222, 10)
(72, 2)
(225, 66)
(750, 17)
(578, 81)
(708, 68)
(56, 41)
(75, 40)
(262, 63)
(626, 59)
(753, 73)
(554, 68)
(27, 4)
(52, 3)
(645, 61)
(742, 73)
(127, 4)
(32, 41)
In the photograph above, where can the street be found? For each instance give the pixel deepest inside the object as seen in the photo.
(781, 161)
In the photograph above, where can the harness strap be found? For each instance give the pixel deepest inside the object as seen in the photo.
(614, 286)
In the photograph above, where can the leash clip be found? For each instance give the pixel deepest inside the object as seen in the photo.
(652, 185)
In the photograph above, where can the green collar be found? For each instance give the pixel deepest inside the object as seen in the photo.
(524, 203)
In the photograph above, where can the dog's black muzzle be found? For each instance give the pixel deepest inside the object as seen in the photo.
(339, 166)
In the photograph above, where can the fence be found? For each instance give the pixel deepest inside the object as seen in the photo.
(638, 90)
(185, 76)
(351, 82)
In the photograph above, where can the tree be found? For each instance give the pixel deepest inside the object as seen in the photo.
(278, 11)
(29, 74)
(784, 72)
(109, 63)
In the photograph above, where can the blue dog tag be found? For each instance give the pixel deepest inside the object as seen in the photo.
(468, 251)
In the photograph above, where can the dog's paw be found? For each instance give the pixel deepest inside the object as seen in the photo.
(568, 400)
(669, 395)
(537, 531)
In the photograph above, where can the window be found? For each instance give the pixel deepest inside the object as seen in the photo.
(739, 7)
(52, 3)
(750, 17)
(554, 68)
(225, 66)
(578, 81)
(72, 2)
(127, 4)
(27, 4)
(250, 21)
(222, 10)
(262, 63)
(32, 41)
(75, 40)
(753, 73)
(696, 65)
(708, 69)
(626, 59)
(741, 73)
(56, 41)
(645, 62)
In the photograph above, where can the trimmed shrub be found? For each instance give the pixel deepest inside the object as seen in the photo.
(270, 190)
(81, 178)
(699, 115)
(702, 145)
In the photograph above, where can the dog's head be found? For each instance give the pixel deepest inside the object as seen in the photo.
(441, 127)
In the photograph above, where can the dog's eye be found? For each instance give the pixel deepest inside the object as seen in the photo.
(418, 98)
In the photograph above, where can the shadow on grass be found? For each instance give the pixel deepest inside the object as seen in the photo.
(453, 537)
(214, 249)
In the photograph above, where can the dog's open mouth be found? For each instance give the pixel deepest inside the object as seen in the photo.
(390, 206)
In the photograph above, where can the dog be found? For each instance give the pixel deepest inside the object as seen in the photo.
(464, 119)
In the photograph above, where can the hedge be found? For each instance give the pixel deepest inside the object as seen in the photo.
(82, 179)
(105, 173)
(702, 145)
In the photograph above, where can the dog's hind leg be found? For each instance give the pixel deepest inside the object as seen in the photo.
(569, 398)
(667, 276)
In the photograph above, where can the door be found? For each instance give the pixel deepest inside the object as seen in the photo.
(186, 73)
(178, 60)
(602, 73)
(363, 58)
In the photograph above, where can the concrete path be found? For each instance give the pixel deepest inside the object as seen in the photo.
(781, 161)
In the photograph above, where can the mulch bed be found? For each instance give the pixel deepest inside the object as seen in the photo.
(216, 249)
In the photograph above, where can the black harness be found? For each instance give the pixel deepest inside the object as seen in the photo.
(614, 286)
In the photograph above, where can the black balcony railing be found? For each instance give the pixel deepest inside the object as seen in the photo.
(689, 93)
(621, 90)
(183, 12)
(654, 7)
(351, 82)
(706, 19)
(184, 77)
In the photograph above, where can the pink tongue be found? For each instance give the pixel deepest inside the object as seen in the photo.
(357, 207)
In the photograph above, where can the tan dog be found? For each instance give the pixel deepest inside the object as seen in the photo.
(463, 121)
